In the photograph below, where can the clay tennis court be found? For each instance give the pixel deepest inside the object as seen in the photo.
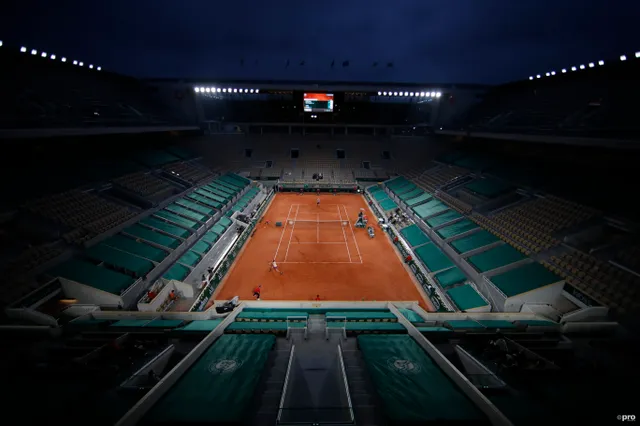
(320, 252)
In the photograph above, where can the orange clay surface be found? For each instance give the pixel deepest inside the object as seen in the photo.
(328, 259)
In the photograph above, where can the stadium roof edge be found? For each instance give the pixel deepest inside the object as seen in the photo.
(319, 82)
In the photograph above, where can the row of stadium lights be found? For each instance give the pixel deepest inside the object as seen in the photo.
(223, 90)
(53, 57)
(412, 94)
(581, 67)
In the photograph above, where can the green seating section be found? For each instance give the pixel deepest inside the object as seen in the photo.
(244, 201)
(409, 187)
(131, 323)
(141, 249)
(497, 324)
(272, 316)
(201, 325)
(414, 235)
(219, 387)
(375, 188)
(450, 277)
(433, 258)
(151, 236)
(495, 258)
(204, 200)
(210, 195)
(473, 241)
(180, 210)
(198, 208)
(464, 324)
(396, 183)
(95, 276)
(433, 329)
(119, 259)
(489, 187)
(443, 218)
(372, 327)
(523, 279)
(210, 237)
(388, 204)
(190, 258)
(411, 194)
(177, 272)
(538, 323)
(412, 316)
(412, 387)
(201, 247)
(168, 215)
(360, 316)
(460, 227)
(217, 188)
(430, 208)
(466, 297)
(164, 323)
(163, 226)
(380, 196)
(411, 202)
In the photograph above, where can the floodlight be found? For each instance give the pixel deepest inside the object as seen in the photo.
(384, 93)
(591, 65)
(246, 90)
(406, 93)
(34, 52)
(411, 94)
(75, 62)
(63, 59)
(53, 57)
(438, 94)
(43, 54)
(573, 68)
(637, 54)
(422, 94)
(91, 66)
(224, 90)
(531, 78)
(257, 91)
(564, 70)
(197, 89)
(582, 67)
(623, 58)
(99, 68)
(1, 43)
(235, 90)
(395, 93)
(553, 73)
(433, 94)
(207, 89)
(23, 49)
(600, 62)
(218, 90)
(547, 74)
(251, 91)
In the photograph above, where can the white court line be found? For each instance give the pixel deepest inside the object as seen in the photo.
(326, 263)
(283, 228)
(293, 227)
(318, 228)
(353, 233)
(346, 243)
(321, 242)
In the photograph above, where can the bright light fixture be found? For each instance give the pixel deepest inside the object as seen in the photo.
(23, 49)
(63, 59)
(623, 57)
(34, 52)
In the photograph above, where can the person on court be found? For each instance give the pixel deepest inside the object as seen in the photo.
(318, 201)
(274, 266)
(256, 292)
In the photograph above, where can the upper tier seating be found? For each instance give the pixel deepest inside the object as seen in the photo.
(145, 184)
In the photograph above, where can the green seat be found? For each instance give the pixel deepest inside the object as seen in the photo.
(464, 324)
(412, 316)
(360, 316)
(374, 326)
(432, 329)
(201, 325)
(271, 316)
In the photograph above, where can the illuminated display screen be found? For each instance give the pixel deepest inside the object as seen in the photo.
(318, 102)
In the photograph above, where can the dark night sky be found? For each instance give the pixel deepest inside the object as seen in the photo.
(429, 41)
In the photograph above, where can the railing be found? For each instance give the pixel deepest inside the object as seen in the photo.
(224, 266)
(286, 383)
(293, 318)
(346, 382)
(344, 327)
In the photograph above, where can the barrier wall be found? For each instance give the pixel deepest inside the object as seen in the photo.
(219, 273)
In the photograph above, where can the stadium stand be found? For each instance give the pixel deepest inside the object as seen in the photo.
(146, 185)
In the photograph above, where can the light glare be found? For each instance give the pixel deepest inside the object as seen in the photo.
(23, 49)
(623, 58)
(34, 52)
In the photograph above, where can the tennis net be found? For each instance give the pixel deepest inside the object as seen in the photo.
(313, 224)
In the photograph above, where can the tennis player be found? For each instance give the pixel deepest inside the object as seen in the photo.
(256, 292)
(274, 266)
(318, 201)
